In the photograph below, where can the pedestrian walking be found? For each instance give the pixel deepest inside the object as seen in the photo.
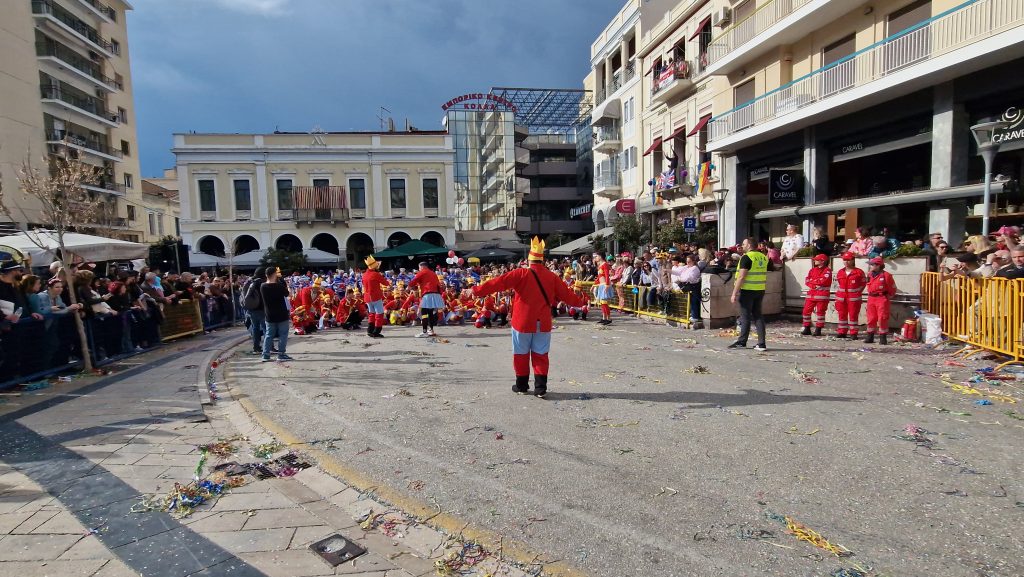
(275, 306)
(252, 302)
(430, 300)
(881, 288)
(537, 291)
(748, 291)
(850, 283)
(818, 283)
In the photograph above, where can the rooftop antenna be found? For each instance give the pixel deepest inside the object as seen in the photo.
(382, 118)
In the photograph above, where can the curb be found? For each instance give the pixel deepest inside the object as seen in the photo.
(424, 513)
(204, 367)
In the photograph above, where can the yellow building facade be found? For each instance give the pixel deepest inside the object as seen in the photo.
(347, 194)
(66, 88)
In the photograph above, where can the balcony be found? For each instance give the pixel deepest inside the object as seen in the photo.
(104, 185)
(674, 80)
(608, 184)
(77, 142)
(775, 23)
(526, 224)
(607, 138)
(319, 204)
(954, 43)
(104, 11)
(69, 99)
(70, 25)
(62, 56)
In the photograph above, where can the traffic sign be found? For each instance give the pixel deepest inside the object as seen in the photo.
(689, 224)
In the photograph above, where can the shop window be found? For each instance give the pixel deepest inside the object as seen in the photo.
(430, 193)
(207, 196)
(397, 188)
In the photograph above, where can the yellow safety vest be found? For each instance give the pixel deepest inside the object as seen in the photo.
(757, 276)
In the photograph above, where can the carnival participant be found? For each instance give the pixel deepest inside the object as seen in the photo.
(604, 288)
(430, 302)
(536, 290)
(374, 284)
(818, 283)
(849, 292)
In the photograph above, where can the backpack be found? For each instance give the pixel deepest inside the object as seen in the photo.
(252, 300)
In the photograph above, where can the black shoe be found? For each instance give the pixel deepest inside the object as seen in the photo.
(522, 385)
(370, 332)
(870, 339)
(737, 345)
(378, 332)
(853, 337)
(817, 331)
(575, 316)
(806, 332)
(540, 386)
(841, 335)
(883, 339)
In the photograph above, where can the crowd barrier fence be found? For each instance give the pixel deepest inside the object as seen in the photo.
(636, 301)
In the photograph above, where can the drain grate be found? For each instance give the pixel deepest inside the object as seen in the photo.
(336, 549)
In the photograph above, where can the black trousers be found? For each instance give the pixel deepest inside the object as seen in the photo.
(750, 311)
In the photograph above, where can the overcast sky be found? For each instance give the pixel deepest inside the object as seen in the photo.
(261, 65)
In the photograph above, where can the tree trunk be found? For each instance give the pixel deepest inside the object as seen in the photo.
(79, 324)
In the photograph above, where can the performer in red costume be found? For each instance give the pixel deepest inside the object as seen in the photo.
(851, 282)
(537, 289)
(604, 288)
(374, 284)
(430, 301)
(306, 308)
(819, 283)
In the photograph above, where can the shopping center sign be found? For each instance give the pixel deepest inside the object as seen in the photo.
(479, 101)
(785, 186)
(1015, 131)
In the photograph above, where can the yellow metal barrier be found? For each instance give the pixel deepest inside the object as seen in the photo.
(636, 303)
(985, 313)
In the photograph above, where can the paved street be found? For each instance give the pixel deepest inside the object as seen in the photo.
(660, 452)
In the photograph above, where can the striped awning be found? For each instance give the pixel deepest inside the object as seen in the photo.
(322, 197)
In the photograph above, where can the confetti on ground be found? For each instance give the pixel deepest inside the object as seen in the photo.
(699, 370)
(804, 533)
(461, 560)
(804, 376)
(265, 450)
(796, 431)
(667, 491)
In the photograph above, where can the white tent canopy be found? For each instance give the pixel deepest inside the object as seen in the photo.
(582, 244)
(317, 256)
(42, 246)
(202, 260)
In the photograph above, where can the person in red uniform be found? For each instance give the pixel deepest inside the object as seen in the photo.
(849, 291)
(306, 308)
(485, 317)
(537, 289)
(818, 283)
(374, 284)
(430, 300)
(881, 288)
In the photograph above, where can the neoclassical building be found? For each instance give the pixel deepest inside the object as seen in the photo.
(347, 194)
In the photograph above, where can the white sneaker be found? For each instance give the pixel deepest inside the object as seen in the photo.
(422, 335)
(432, 333)
(761, 348)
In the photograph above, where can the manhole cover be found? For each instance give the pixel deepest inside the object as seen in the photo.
(336, 550)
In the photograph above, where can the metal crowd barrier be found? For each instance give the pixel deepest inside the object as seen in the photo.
(636, 303)
(986, 313)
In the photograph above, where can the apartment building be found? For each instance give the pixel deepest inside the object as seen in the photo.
(160, 205)
(65, 85)
(617, 137)
(346, 194)
(554, 202)
(845, 114)
(681, 175)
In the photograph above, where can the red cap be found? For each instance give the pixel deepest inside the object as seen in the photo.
(877, 260)
(820, 258)
(849, 256)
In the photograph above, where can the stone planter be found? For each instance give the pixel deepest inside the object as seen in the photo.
(716, 290)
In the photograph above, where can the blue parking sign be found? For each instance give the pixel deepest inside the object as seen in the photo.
(689, 224)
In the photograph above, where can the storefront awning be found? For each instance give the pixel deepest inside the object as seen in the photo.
(676, 132)
(654, 146)
(581, 244)
(700, 27)
(700, 124)
(923, 138)
(873, 201)
(609, 109)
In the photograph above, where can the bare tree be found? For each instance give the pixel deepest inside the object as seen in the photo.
(64, 204)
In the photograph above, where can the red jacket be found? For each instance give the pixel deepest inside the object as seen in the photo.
(426, 279)
(528, 305)
(881, 284)
(851, 284)
(373, 285)
(818, 281)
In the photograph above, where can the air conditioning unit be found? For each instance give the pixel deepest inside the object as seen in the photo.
(722, 18)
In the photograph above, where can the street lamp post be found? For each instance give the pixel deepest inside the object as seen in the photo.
(984, 134)
(720, 195)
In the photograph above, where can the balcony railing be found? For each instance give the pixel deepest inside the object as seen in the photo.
(669, 74)
(320, 203)
(102, 9)
(605, 134)
(88, 32)
(82, 142)
(74, 60)
(84, 103)
(953, 29)
(606, 180)
(745, 30)
(108, 186)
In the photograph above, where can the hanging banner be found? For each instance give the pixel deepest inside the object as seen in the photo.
(785, 186)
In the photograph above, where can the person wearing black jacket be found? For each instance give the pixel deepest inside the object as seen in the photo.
(252, 302)
(275, 306)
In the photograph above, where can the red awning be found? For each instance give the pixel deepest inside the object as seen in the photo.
(700, 124)
(676, 132)
(654, 146)
(701, 26)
